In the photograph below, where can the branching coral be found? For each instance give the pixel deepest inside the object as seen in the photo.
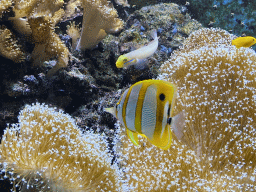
(9, 47)
(47, 151)
(99, 18)
(27, 9)
(124, 3)
(217, 89)
(47, 43)
(35, 20)
(36, 8)
(74, 32)
(4, 5)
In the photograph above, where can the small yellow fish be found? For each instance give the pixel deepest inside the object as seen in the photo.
(146, 109)
(247, 41)
(138, 56)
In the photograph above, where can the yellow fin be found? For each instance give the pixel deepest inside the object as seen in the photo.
(142, 135)
(165, 141)
(133, 137)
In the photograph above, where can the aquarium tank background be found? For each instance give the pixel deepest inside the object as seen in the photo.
(59, 79)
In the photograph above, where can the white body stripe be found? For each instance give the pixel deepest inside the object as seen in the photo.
(145, 51)
(120, 108)
(164, 120)
(132, 106)
(149, 108)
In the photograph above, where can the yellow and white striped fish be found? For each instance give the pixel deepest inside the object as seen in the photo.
(146, 109)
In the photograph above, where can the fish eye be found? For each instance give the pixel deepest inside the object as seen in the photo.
(162, 97)
(169, 120)
(125, 60)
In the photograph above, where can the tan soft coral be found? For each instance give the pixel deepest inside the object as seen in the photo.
(216, 87)
(32, 8)
(41, 21)
(99, 18)
(4, 5)
(74, 32)
(46, 151)
(47, 42)
(9, 47)
(35, 20)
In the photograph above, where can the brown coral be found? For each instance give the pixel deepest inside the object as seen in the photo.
(35, 21)
(99, 18)
(36, 8)
(47, 43)
(9, 47)
(4, 5)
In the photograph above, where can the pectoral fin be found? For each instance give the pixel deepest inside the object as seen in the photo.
(133, 137)
(141, 64)
(178, 124)
(111, 110)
